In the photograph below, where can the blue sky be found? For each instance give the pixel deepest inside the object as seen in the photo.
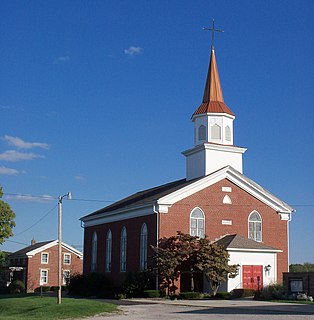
(96, 99)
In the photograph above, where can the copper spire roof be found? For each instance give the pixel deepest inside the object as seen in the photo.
(213, 101)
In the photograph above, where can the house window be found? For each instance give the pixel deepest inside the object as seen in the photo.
(228, 133)
(44, 257)
(143, 248)
(202, 133)
(215, 132)
(197, 223)
(94, 252)
(255, 226)
(123, 246)
(43, 276)
(108, 251)
(67, 258)
(66, 277)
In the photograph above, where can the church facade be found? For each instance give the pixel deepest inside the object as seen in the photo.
(215, 199)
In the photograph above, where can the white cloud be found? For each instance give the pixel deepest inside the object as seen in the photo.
(30, 198)
(13, 156)
(21, 144)
(61, 59)
(79, 178)
(131, 51)
(8, 171)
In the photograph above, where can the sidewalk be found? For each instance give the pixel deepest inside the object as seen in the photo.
(240, 304)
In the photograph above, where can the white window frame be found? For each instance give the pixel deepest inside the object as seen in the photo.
(215, 132)
(43, 261)
(64, 260)
(94, 252)
(143, 247)
(64, 277)
(123, 249)
(254, 234)
(41, 281)
(108, 251)
(200, 232)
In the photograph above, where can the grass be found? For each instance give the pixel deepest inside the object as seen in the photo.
(294, 301)
(34, 307)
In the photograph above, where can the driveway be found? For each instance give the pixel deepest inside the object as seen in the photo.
(134, 309)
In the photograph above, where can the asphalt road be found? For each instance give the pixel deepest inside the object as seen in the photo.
(209, 310)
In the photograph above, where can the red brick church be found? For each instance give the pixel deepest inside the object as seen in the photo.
(215, 199)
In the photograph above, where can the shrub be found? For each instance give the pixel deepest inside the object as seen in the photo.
(151, 294)
(56, 288)
(135, 284)
(43, 289)
(93, 284)
(223, 295)
(190, 295)
(17, 286)
(242, 293)
(271, 292)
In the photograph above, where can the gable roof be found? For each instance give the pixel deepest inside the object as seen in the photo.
(235, 242)
(143, 197)
(166, 195)
(41, 246)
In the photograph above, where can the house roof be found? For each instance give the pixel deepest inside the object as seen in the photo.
(213, 101)
(27, 249)
(170, 193)
(41, 246)
(235, 241)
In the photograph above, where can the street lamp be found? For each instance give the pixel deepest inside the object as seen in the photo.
(69, 196)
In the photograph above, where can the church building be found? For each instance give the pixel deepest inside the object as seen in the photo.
(214, 199)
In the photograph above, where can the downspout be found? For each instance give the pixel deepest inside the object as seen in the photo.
(288, 235)
(157, 237)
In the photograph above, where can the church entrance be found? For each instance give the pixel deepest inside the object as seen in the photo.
(252, 277)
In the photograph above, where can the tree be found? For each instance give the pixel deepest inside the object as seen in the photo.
(213, 260)
(6, 220)
(306, 267)
(186, 253)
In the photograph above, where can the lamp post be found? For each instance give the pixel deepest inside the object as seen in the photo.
(69, 196)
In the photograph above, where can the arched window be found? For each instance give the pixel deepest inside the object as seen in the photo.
(215, 132)
(228, 133)
(108, 250)
(143, 248)
(255, 226)
(123, 244)
(94, 252)
(202, 133)
(197, 223)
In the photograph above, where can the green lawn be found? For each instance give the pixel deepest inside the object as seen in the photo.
(34, 307)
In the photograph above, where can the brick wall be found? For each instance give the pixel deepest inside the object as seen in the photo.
(34, 266)
(210, 200)
(133, 227)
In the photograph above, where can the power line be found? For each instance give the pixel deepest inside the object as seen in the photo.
(34, 224)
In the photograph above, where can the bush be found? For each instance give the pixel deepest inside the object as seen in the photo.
(242, 293)
(190, 295)
(17, 286)
(4, 290)
(56, 288)
(135, 284)
(93, 284)
(272, 292)
(223, 295)
(151, 294)
(43, 289)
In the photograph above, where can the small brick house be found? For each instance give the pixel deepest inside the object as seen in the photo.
(37, 264)
(215, 199)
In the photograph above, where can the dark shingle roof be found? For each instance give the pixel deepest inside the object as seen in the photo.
(236, 241)
(145, 196)
(29, 248)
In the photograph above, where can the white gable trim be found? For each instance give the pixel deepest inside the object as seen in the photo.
(118, 215)
(253, 250)
(51, 244)
(232, 175)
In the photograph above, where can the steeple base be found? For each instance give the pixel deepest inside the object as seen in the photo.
(207, 158)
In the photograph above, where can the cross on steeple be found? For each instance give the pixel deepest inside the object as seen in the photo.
(213, 30)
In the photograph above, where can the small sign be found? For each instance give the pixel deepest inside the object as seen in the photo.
(226, 189)
(226, 222)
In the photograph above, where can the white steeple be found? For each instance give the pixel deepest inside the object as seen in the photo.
(213, 131)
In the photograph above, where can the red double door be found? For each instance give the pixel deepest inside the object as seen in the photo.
(252, 277)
